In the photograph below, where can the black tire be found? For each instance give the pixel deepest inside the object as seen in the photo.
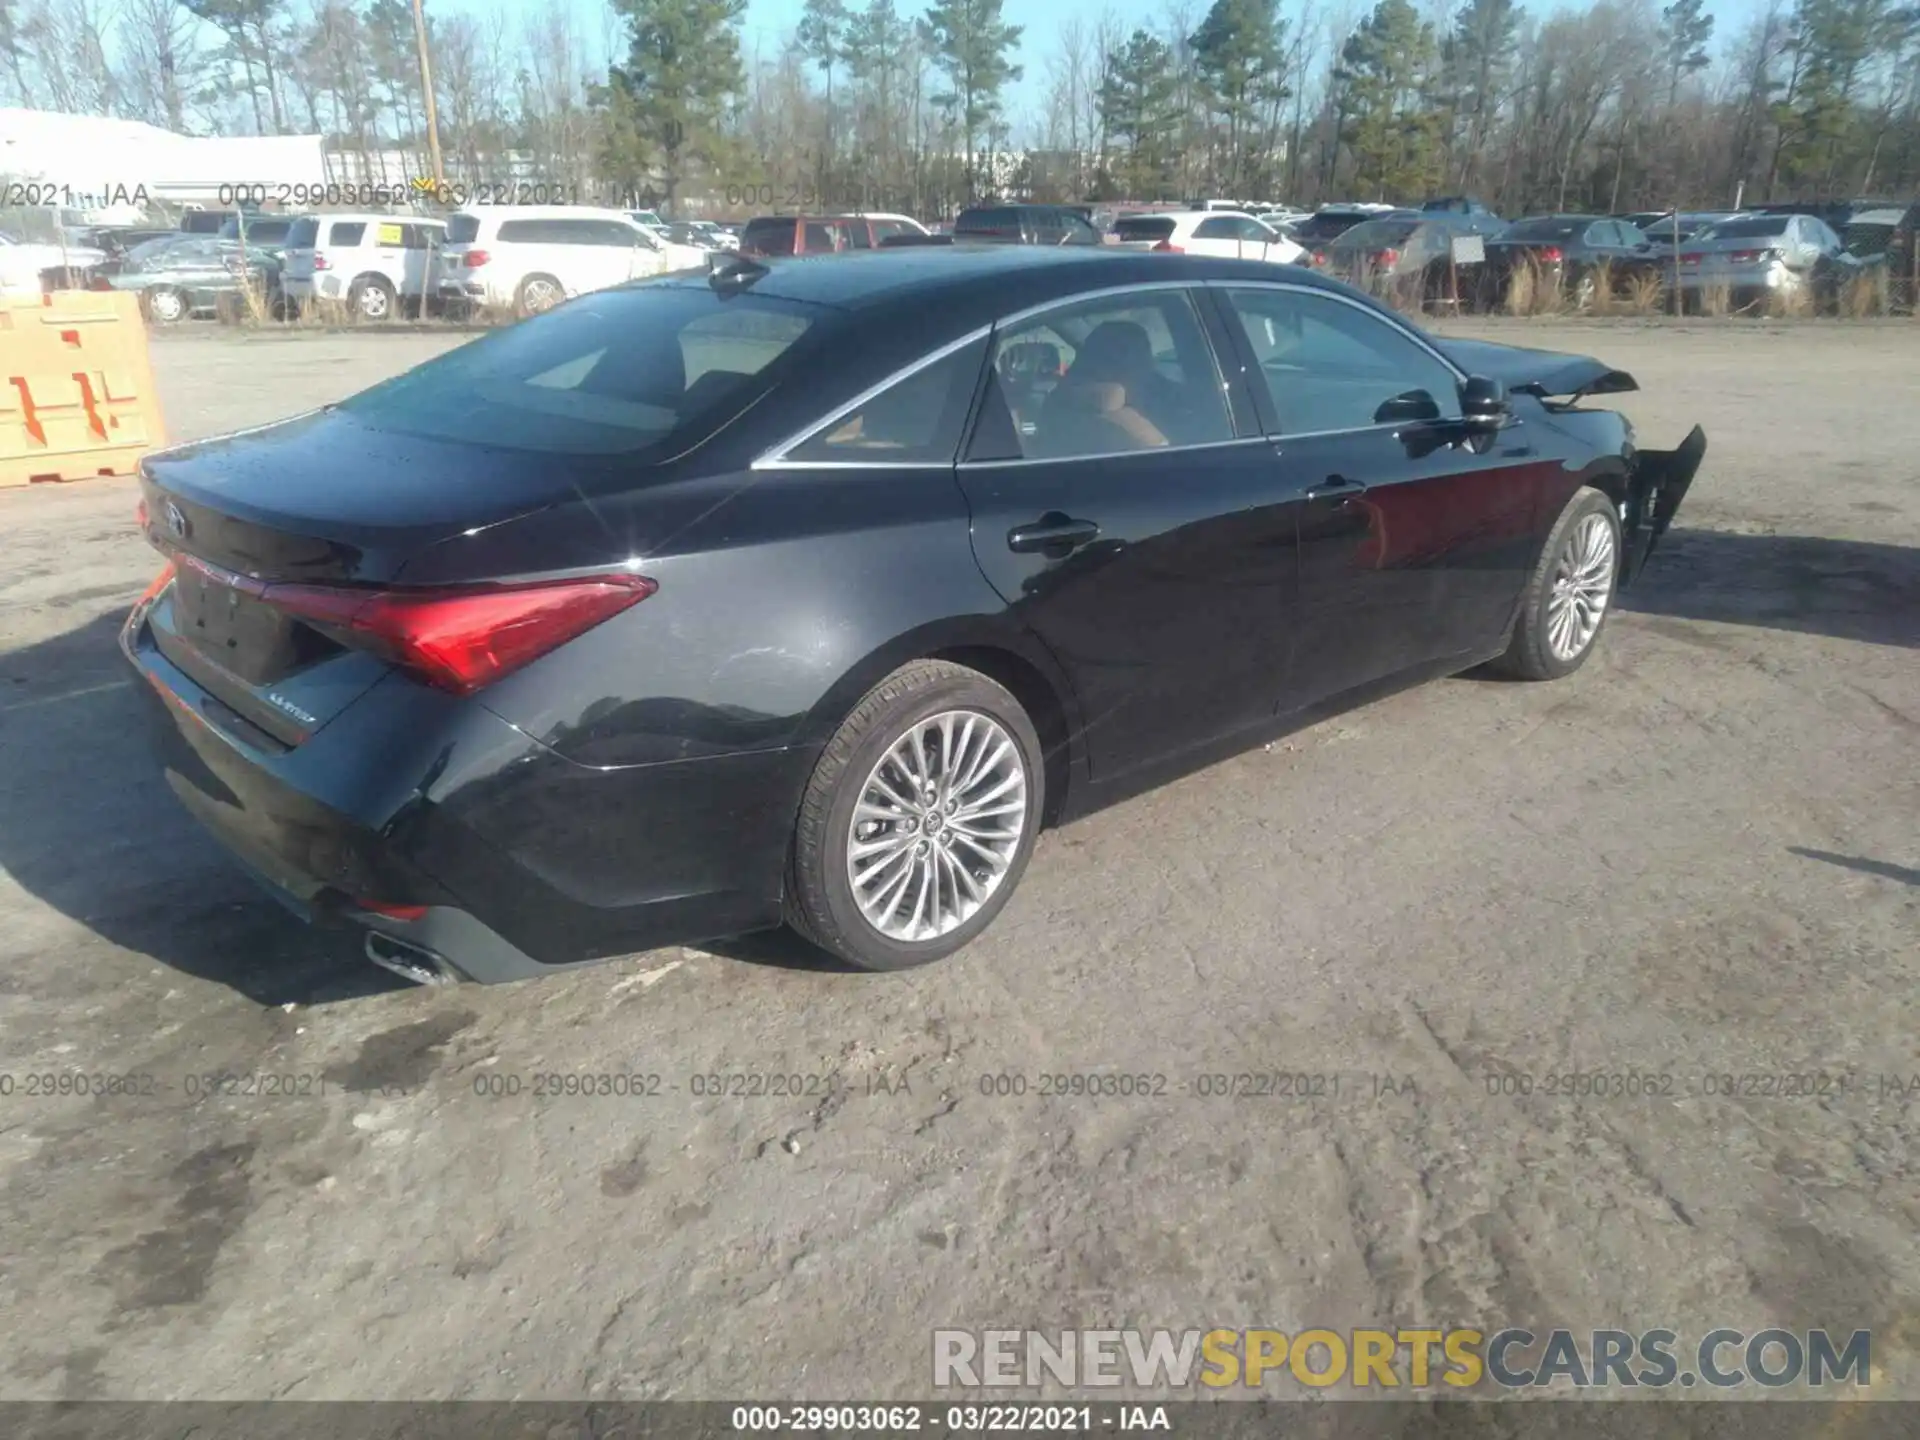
(820, 903)
(1530, 654)
(372, 299)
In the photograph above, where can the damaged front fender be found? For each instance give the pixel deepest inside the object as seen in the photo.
(1657, 482)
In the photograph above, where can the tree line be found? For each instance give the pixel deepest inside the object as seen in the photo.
(1604, 105)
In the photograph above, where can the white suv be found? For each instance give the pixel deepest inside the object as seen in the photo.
(1232, 234)
(375, 263)
(529, 258)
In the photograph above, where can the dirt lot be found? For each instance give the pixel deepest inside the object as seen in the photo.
(1696, 858)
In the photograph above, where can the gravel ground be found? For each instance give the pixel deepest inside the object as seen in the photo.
(1697, 857)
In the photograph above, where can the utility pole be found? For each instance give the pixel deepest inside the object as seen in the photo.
(426, 84)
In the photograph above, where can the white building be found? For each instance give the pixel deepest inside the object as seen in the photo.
(94, 164)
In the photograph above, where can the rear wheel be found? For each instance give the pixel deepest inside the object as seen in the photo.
(919, 819)
(1569, 594)
(538, 294)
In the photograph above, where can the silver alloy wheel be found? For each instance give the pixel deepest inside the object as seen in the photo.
(166, 305)
(373, 302)
(1582, 587)
(937, 825)
(539, 295)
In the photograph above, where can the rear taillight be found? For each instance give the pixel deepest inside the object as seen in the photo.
(462, 640)
(1319, 258)
(406, 913)
(320, 262)
(1386, 258)
(1550, 255)
(1167, 247)
(474, 259)
(156, 585)
(1752, 257)
(1692, 257)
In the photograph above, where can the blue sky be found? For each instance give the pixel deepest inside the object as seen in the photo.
(770, 22)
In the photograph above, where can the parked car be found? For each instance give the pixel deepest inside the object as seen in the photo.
(1406, 253)
(1574, 254)
(27, 268)
(1458, 205)
(714, 602)
(895, 224)
(261, 232)
(178, 279)
(1331, 222)
(374, 264)
(1659, 226)
(820, 234)
(203, 222)
(1751, 257)
(1230, 233)
(717, 236)
(530, 258)
(1026, 225)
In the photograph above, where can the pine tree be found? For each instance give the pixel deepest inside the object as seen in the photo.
(1239, 52)
(971, 44)
(1386, 74)
(1685, 28)
(667, 102)
(1137, 108)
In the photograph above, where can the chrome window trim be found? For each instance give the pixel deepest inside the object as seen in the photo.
(1400, 327)
(1162, 450)
(774, 457)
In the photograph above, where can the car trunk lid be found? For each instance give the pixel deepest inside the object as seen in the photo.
(260, 524)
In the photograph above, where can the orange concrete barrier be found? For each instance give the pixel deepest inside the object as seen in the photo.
(77, 398)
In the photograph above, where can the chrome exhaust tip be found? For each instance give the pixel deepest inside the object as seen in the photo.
(409, 961)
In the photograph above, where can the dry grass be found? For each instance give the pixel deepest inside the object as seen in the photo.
(1645, 294)
(1787, 303)
(1866, 295)
(1715, 301)
(1530, 292)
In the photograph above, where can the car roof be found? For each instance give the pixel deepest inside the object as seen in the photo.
(989, 278)
(362, 216)
(544, 212)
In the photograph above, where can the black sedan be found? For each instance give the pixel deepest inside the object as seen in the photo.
(1579, 255)
(809, 591)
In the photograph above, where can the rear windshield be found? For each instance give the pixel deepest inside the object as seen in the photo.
(770, 237)
(1546, 227)
(302, 234)
(1746, 229)
(607, 374)
(1144, 227)
(1326, 225)
(986, 222)
(461, 229)
(1376, 234)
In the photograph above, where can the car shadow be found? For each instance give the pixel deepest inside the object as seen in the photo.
(1886, 871)
(89, 828)
(1845, 589)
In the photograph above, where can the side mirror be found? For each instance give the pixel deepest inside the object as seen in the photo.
(1483, 402)
(1408, 409)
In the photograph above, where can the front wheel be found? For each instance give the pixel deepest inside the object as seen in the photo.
(919, 819)
(538, 294)
(166, 305)
(1569, 594)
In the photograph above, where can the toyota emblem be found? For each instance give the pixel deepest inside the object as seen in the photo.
(176, 521)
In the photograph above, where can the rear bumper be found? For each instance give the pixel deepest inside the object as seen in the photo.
(484, 849)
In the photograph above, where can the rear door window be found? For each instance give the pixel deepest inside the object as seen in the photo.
(769, 237)
(818, 236)
(917, 419)
(1144, 227)
(346, 233)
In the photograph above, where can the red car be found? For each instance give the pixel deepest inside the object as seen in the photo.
(818, 234)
